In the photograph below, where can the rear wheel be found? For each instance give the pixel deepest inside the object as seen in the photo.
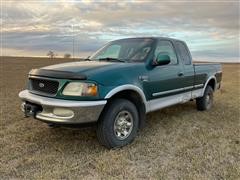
(205, 102)
(118, 124)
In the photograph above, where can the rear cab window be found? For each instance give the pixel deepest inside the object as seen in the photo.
(183, 53)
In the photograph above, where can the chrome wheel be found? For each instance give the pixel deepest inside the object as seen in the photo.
(123, 125)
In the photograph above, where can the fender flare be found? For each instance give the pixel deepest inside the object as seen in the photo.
(209, 79)
(127, 87)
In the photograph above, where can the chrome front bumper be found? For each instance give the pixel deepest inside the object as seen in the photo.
(53, 109)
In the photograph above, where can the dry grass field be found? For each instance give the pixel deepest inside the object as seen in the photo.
(178, 142)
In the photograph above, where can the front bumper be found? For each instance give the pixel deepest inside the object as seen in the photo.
(63, 111)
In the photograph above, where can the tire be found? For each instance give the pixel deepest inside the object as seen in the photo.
(118, 124)
(205, 102)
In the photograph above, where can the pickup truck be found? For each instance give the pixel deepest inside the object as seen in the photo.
(116, 86)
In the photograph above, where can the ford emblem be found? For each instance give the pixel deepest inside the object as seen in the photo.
(41, 85)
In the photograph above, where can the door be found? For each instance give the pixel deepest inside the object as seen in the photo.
(165, 80)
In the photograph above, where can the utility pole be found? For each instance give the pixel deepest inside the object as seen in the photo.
(73, 40)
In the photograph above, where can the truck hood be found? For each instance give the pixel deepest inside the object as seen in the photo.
(78, 67)
(72, 70)
(105, 73)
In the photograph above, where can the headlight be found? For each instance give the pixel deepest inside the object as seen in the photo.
(80, 89)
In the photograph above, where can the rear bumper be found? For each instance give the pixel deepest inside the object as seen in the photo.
(63, 111)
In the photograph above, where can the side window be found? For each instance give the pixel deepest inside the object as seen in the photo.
(184, 53)
(166, 47)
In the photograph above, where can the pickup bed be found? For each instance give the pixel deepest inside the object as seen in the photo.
(116, 86)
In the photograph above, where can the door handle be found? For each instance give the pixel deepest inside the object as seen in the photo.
(180, 74)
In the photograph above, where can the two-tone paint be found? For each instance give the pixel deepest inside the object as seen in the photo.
(157, 86)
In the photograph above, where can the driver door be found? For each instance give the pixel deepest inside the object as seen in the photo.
(165, 80)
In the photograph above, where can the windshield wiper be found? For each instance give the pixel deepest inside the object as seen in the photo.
(87, 59)
(111, 59)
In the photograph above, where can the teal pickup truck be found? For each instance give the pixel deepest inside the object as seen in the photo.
(116, 86)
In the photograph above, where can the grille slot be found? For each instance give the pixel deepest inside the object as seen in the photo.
(44, 86)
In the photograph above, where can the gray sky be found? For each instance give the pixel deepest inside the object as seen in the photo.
(32, 28)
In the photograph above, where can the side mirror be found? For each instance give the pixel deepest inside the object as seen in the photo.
(162, 59)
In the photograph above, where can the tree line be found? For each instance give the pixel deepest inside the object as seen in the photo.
(52, 55)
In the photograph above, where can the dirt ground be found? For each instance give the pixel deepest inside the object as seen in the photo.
(177, 142)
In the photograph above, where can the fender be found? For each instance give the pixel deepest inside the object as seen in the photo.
(209, 79)
(127, 87)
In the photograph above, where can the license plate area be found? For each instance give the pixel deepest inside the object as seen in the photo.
(31, 109)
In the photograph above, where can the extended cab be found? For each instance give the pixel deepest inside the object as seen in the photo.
(116, 86)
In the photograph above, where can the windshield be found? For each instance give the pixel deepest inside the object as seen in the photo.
(134, 50)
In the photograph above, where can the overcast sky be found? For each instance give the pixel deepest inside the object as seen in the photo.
(32, 28)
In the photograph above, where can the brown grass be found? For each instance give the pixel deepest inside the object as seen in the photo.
(177, 142)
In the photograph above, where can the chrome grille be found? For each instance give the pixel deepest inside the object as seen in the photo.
(44, 86)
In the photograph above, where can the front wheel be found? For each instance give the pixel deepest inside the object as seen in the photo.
(205, 102)
(118, 125)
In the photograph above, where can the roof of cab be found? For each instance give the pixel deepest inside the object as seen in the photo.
(152, 37)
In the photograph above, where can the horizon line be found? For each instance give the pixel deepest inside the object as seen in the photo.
(61, 57)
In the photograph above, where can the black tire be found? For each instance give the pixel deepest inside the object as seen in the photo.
(205, 102)
(108, 124)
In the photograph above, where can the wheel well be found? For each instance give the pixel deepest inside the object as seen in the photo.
(136, 99)
(212, 83)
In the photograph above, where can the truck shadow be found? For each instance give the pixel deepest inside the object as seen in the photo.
(72, 140)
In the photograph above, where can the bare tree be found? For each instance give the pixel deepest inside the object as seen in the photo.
(67, 55)
(51, 54)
